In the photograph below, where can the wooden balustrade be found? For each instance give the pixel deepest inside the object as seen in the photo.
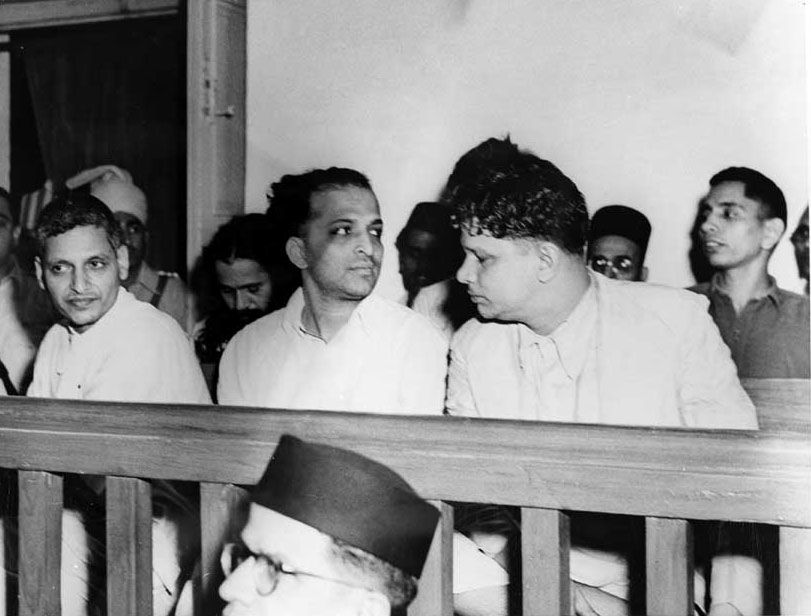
(666, 475)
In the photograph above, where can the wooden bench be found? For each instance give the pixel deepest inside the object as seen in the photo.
(668, 476)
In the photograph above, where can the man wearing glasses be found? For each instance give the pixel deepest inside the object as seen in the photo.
(618, 241)
(329, 532)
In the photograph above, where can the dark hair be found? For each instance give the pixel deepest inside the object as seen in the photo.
(289, 198)
(436, 219)
(396, 585)
(758, 187)
(13, 205)
(78, 210)
(507, 192)
(251, 236)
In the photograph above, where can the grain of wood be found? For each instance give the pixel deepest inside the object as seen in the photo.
(545, 543)
(435, 596)
(669, 566)
(40, 543)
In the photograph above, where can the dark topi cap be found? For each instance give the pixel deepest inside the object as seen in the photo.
(623, 221)
(351, 498)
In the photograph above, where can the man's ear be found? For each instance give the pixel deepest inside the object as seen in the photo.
(548, 257)
(122, 256)
(39, 272)
(15, 235)
(373, 603)
(296, 252)
(643, 274)
(773, 229)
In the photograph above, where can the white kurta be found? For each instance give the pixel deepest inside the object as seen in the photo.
(134, 353)
(386, 359)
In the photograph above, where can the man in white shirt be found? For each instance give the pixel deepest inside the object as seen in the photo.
(558, 342)
(109, 346)
(335, 346)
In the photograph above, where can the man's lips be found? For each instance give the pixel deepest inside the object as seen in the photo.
(81, 302)
(711, 244)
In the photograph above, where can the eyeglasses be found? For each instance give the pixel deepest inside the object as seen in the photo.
(621, 264)
(266, 571)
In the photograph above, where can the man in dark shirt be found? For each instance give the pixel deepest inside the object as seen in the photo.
(767, 328)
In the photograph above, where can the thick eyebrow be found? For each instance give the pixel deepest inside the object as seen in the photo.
(242, 286)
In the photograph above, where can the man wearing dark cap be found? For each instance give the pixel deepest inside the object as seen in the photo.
(618, 241)
(329, 532)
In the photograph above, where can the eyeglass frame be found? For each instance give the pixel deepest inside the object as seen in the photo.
(273, 568)
(612, 263)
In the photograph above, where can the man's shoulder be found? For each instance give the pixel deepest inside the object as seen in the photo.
(476, 335)
(139, 319)
(260, 332)
(387, 316)
(702, 288)
(655, 299)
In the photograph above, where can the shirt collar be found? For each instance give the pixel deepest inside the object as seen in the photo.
(571, 339)
(365, 315)
(772, 292)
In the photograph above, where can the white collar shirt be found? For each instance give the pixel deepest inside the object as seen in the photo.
(133, 353)
(386, 359)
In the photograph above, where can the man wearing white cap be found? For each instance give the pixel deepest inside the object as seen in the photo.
(164, 290)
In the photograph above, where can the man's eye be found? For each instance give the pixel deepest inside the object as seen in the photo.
(58, 269)
(730, 213)
(97, 264)
(376, 231)
(341, 231)
(253, 289)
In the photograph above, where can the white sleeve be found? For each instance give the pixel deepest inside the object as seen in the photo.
(230, 382)
(459, 399)
(422, 386)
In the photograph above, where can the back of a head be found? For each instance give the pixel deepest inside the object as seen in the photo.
(77, 210)
(511, 193)
(758, 187)
(289, 199)
(381, 529)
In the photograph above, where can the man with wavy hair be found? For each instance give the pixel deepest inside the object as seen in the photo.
(559, 342)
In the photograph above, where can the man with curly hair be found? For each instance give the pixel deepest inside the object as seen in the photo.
(559, 342)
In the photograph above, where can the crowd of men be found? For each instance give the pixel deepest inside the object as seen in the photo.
(518, 307)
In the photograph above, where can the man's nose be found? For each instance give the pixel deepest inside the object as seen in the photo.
(243, 300)
(78, 281)
(465, 272)
(710, 223)
(365, 244)
(239, 585)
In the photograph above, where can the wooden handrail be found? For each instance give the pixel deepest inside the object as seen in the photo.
(690, 474)
(667, 475)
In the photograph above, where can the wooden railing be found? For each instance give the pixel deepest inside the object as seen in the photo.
(668, 476)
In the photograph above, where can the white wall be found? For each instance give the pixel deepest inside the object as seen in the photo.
(639, 102)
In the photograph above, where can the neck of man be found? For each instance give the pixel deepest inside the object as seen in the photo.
(132, 276)
(745, 282)
(559, 296)
(324, 316)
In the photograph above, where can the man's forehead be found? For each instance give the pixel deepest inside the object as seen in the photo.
(281, 537)
(344, 202)
(85, 240)
(728, 192)
(614, 245)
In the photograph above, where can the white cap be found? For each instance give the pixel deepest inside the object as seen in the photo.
(115, 188)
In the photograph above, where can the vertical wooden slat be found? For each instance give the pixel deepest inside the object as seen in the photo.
(545, 543)
(129, 547)
(435, 596)
(222, 516)
(669, 566)
(40, 543)
(795, 570)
